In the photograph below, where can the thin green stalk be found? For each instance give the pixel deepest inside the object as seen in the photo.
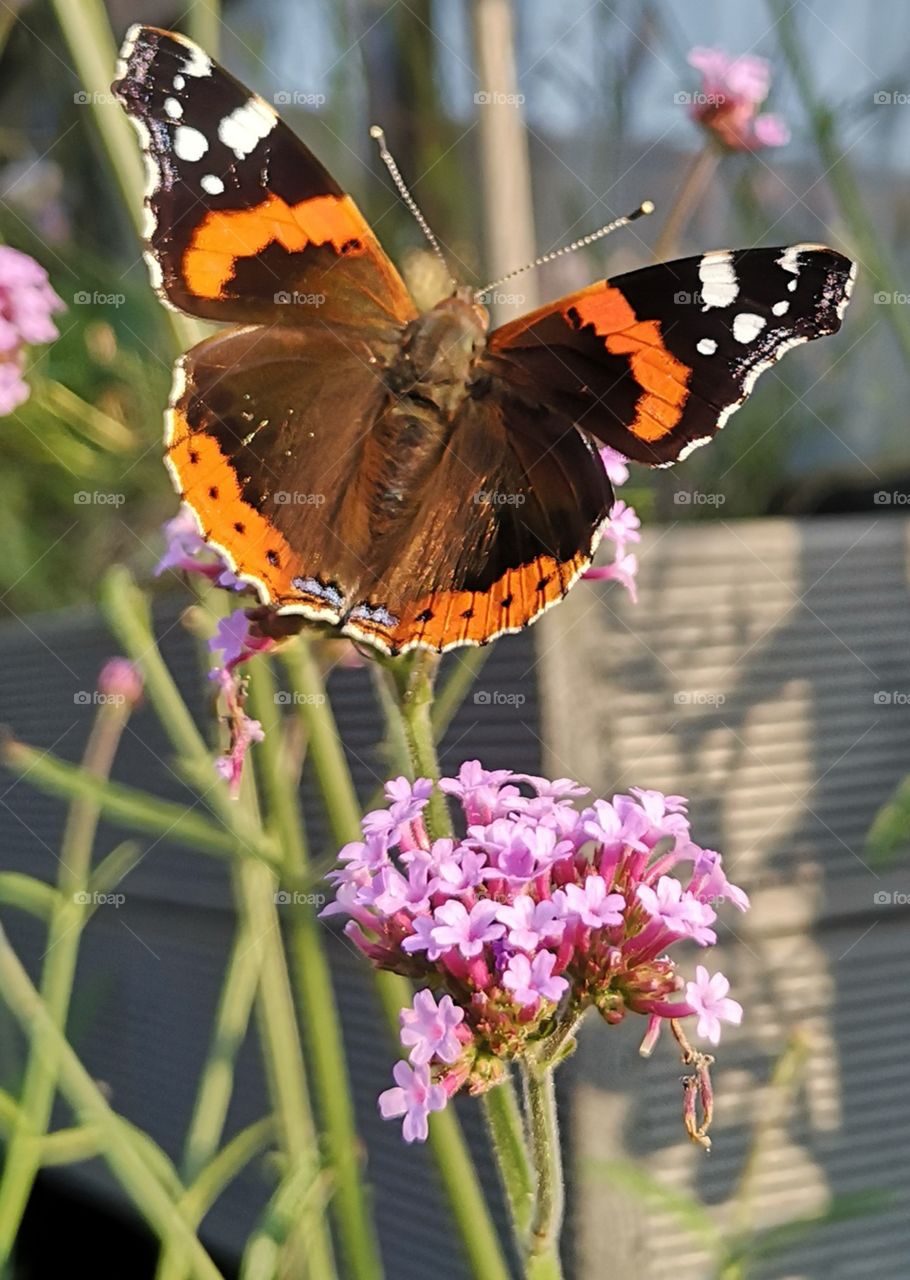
(464, 1194)
(412, 678)
(125, 806)
(224, 1167)
(318, 1008)
(58, 973)
(469, 664)
(542, 1262)
(203, 24)
(126, 1156)
(506, 1128)
(27, 894)
(87, 32)
(694, 185)
(847, 191)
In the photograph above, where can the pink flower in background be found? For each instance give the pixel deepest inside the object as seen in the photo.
(414, 1098)
(621, 527)
(121, 679)
(540, 912)
(184, 546)
(732, 92)
(27, 303)
(708, 997)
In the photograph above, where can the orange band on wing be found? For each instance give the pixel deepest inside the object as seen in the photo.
(663, 379)
(224, 235)
(209, 484)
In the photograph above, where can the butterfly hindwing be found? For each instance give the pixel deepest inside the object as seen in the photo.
(654, 362)
(242, 222)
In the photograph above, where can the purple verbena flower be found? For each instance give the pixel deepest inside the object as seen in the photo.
(732, 92)
(708, 997)
(27, 303)
(429, 1028)
(531, 981)
(413, 1097)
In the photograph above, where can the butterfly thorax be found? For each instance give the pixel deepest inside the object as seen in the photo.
(438, 353)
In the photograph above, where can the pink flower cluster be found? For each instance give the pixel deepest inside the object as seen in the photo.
(540, 911)
(27, 303)
(732, 92)
(621, 528)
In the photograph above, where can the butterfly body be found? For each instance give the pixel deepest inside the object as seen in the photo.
(413, 479)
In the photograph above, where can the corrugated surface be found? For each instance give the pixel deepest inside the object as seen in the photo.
(149, 972)
(751, 677)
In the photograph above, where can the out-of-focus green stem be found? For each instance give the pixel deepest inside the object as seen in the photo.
(27, 894)
(318, 1009)
(469, 664)
(412, 678)
(87, 32)
(542, 1260)
(203, 24)
(838, 174)
(694, 185)
(463, 1191)
(122, 1149)
(506, 1127)
(58, 972)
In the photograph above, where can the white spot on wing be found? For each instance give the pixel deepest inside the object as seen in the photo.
(789, 259)
(189, 143)
(719, 286)
(211, 184)
(747, 326)
(196, 62)
(781, 308)
(706, 346)
(173, 108)
(179, 81)
(243, 129)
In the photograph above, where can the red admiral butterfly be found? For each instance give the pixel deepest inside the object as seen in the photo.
(411, 479)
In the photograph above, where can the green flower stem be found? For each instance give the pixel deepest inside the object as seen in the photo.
(27, 894)
(318, 1009)
(94, 424)
(224, 1167)
(694, 185)
(462, 1188)
(295, 1202)
(87, 32)
(457, 687)
(506, 1128)
(542, 1261)
(126, 806)
(127, 1157)
(128, 613)
(412, 679)
(58, 972)
(203, 22)
(840, 177)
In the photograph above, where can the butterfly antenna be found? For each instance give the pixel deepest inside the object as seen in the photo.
(646, 207)
(389, 162)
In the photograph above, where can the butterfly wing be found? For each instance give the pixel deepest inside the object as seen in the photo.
(654, 362)
(242, 222)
